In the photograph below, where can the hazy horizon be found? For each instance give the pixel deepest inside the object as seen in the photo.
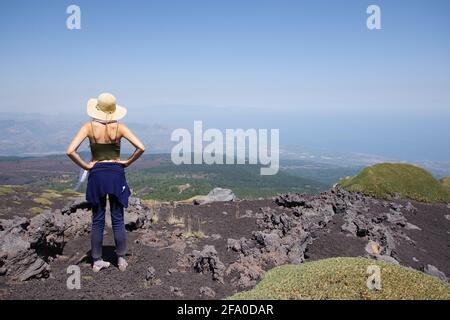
(330, 136)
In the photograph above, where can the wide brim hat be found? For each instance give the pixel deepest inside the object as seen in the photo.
(105, 108)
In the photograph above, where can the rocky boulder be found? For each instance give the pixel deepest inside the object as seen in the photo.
(207, 292)
(435, 272)
(27, 245)
(78, 203)
(137, 216)
(207, 261)
(17, 259)
(216, 195)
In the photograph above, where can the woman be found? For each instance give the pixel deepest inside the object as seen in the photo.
(106, 172)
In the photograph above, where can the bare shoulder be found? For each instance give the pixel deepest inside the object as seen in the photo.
(123, 127)
(86, 126)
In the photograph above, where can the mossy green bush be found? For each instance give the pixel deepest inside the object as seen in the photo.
(35, 210)
(4, 190)
(345, 279)
(43, 201)
(445, 181)
(50, 195)
(388, 179)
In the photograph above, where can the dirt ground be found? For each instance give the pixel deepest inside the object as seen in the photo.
(432, 242)
(217, 222)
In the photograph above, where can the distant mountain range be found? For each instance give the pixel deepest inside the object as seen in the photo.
(32, 134)
(36, 135)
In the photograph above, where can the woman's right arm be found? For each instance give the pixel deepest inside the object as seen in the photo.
(127, 134)
(73, 147)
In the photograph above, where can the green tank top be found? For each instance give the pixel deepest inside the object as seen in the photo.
(105, 151)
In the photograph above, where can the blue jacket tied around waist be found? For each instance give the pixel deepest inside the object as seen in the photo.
(107, 178)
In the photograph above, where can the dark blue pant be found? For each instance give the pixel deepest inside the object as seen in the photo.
(98, 226)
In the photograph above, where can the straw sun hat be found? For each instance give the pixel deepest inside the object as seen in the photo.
(105, 108)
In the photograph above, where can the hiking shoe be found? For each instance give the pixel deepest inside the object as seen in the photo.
(122, 264)
(99, 265)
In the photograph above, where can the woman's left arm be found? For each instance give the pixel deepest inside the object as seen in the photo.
(140, 149)
(73, 147)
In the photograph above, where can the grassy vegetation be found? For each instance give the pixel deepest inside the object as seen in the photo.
(199, 234)
(5, 190)
(43, 201)
(155, 218)
(71, 192)
(325, 174)
(155, 177)
(50, 195)
(345, 278)
(35, 210)
(29, 199)
(387, 179)
(171, 182)
(174, 220)
(445, 181)
(165, 181)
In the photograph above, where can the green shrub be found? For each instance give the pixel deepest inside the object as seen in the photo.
(408, 181)
(345, 278)
(50, 195)
(43, 201)
(445, 181)
(5, 190)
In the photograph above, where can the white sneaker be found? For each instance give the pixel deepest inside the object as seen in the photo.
(122, 263)
(99, 265)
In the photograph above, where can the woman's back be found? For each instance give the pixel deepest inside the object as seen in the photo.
(104, 141)
(104, 133)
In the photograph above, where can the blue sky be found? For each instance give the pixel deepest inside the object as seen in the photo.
(309, 66)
